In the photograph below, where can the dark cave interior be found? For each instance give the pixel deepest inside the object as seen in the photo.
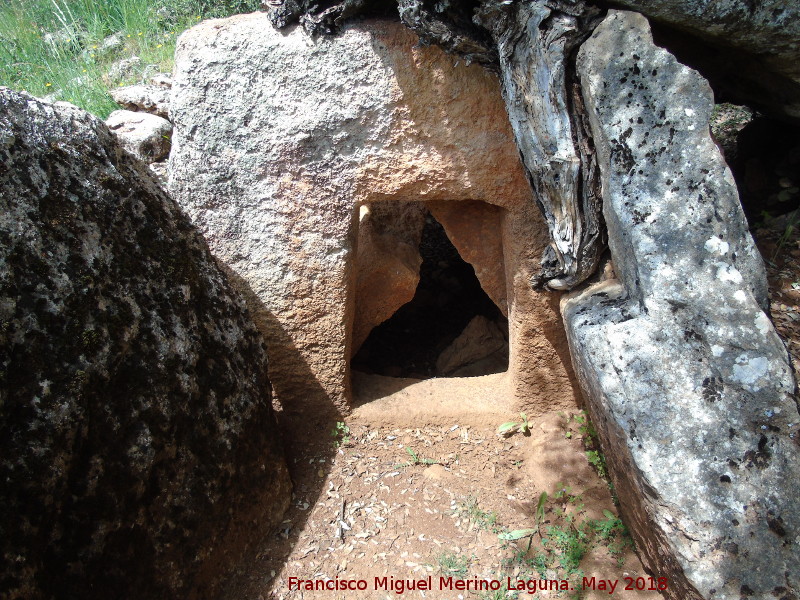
(435, 322)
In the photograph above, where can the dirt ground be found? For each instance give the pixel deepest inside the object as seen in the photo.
(389, 505)
(408, 503)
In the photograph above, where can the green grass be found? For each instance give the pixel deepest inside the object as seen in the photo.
(486, 520)
(453, 565)
(563, 544)
(54, 48)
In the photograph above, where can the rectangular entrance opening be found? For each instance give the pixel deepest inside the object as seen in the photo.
(450, 327)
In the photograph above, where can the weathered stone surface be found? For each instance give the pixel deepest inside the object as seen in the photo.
(687, 381)
(532, 46)
(161, 171)
(163, 80)
(766, 32)
(475, 228)
(387, 263)
(123, 68)
(145, 136)
(305, 131)
(482, 348)
(153, 99)
(138, 448)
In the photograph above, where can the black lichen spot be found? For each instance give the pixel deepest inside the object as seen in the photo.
(691, 334)
(725, 479)
(712, 388)
(758, 458)
(775, 524)
(621, 154)
(639, 217)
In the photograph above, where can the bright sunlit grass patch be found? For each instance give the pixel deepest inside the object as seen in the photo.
(64, 49)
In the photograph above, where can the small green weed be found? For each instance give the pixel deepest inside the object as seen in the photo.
(565, 541)
(415, 460)
(522, 426)
(483, 519)
(570, 544)
(340, 434)
(452, 564)
(591, 444)
(598, 461)
(518, 534)
(613, 533)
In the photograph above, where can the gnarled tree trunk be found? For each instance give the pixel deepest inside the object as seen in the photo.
(536, 42)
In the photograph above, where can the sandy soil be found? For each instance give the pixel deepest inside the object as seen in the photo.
(434, 501)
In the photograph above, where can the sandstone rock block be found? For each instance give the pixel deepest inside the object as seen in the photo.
(146, 136)
(480, 349)
(387, 263)
(138, 449)
(687, 381)
(281, 139)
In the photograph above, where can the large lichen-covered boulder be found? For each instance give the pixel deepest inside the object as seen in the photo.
(138, 448)
(689, 384)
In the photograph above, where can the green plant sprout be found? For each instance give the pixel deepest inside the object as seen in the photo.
(511, 427)
(340, 434)
(415, 460)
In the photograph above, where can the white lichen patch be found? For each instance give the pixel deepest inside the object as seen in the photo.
(728, 273)
(748, 370)
(717, 246)
(717, 350)
(762, 323)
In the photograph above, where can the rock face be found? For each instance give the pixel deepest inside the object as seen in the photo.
(145, 136)
(138, 449)
(306, 131)
(152, 99)
(687, 381)
(767, 33)
(387, 263)
(480, 349)
(473, 227)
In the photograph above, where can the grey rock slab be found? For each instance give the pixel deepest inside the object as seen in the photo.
(765, 33)
(687, 381)
(152, 99)
(148, 137)
(137, 438)
(767, 27)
